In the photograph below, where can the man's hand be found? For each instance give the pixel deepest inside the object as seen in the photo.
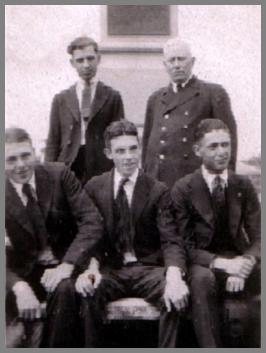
(176, 291)
(89, 280)
(235, 284)
(52, 277)
(239, 266)
(29, 307)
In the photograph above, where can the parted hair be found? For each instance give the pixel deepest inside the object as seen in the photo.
(208, 125)
(16, 134)
(119, 128)
(80, 43)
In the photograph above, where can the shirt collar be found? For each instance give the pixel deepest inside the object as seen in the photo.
(19, 186)
(132, 178)
(183, 84)
(81, 83)
(209, 177)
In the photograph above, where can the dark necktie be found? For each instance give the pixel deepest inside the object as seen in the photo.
(86, 103)
(218, 195)
(179, 87)
(35, 216)
(123, 219)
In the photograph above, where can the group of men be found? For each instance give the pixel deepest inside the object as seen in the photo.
(89, 226)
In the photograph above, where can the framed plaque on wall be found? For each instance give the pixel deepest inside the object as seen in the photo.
(129, 28)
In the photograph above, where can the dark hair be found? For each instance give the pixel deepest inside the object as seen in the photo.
(16, 134)
(208, 125)
(80, 43)
(119, 128)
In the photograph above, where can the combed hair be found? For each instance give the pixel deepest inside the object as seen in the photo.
(119, 128)
(80, 43)
(16, 134)
(208, 125)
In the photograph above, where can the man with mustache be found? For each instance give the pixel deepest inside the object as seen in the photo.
(80, 114)
(174, 111)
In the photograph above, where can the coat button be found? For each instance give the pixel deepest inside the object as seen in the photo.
(162, 156)
(71, 127)
(185, 155)
(69, 142)
(186, 113)
(184, 139)
(166, 116)
(162, 142)
(163, 128)
(185, 126)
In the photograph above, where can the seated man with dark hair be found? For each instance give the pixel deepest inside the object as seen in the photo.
(49, 228)
(218, 215)
(141, 254)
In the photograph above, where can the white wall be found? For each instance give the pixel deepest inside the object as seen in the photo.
(226, 40)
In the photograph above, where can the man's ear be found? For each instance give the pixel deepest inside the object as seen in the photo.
(196, 149)
(108, 153)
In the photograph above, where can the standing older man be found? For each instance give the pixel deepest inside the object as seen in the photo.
(173, 112)
(80, 114)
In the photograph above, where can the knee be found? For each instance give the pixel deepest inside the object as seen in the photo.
(202, 279)
(65, 287)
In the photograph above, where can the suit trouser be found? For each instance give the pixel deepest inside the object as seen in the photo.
(207, 295)
(138, 281)
(61, 316)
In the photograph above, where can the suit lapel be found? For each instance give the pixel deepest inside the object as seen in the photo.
(44, 188)
(234, 197)
(171, 100)
(72, 102)
(101, 95)
(201, 198)
(16, 209)
(140, 196)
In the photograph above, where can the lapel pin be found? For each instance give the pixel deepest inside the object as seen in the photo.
(239, 194)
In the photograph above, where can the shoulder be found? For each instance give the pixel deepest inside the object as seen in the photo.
(158, 93)
(186, 183)
(155, 186)
(57, 170)
(64, 93)
(216, 90)
(107, 88)
(97, 182)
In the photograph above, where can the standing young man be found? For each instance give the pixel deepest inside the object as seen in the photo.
(218, 216)
(141, 253)
(80, 114)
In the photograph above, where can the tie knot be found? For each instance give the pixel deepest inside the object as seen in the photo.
(123, 181)
(217, 182)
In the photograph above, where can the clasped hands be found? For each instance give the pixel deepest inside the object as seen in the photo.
(238, 269)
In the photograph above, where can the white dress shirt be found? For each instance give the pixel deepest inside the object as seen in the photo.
(79, 89)
(18, 187)
(183, 84)
(209, 177)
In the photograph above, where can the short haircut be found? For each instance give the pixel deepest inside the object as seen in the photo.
(176, 43)
(16, 134)
(80, 43)
(119, 128)
(208, 125)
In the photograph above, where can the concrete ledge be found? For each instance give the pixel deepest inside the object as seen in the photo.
(131, 309)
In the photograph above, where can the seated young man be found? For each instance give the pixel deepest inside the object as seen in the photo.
(141, 254)
(218, 215)
(48, 229)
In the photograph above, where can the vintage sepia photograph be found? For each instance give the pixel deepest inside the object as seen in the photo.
(133, 176)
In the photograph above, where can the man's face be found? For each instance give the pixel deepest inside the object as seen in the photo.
(85, 61)
(125, 153)
(215, 150)
(20, 161)
(178, 63)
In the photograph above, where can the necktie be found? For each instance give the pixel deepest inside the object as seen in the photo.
(35, 216)
(218, 195)
(123, 219)
(179, 87)
(86, 103)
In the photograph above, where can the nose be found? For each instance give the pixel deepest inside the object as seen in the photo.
(176, 62)
(86, 63)
(20, 163)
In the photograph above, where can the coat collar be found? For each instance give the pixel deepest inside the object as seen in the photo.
(171, 100)
(140, 196)
(72, 102)
(44, 188)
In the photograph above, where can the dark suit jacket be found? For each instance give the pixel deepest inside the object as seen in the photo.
(73, 224)
(170, 123)
(156, 241)
(195, 219)
(65, 127)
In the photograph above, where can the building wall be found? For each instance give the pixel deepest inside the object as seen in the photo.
(226, 40)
